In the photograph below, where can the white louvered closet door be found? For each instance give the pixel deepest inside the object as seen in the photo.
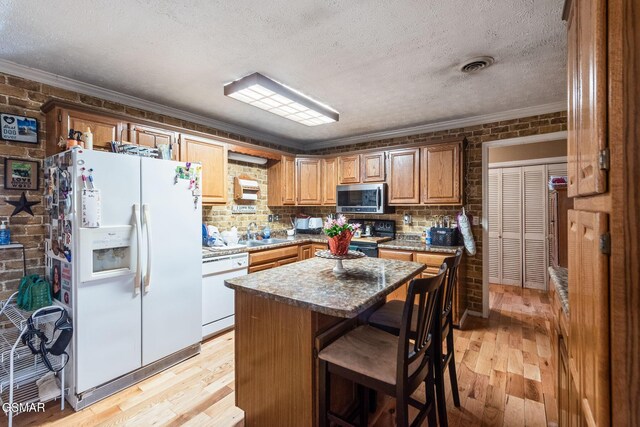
(495, 248)
(511, 226)
(534, 228)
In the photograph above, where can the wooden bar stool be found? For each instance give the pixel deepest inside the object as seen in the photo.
(389, 318)
(386, 363)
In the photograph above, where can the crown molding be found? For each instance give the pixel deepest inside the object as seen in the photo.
(444, 125)
(62, 82)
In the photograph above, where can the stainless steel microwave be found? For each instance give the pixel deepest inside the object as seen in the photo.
(365, 198)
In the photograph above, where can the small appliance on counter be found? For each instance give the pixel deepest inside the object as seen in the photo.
(309, 225)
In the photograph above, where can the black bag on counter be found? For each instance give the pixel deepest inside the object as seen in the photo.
(441, 236)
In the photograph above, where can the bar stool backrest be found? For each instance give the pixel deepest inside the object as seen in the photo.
(452, 262)
(413, 354)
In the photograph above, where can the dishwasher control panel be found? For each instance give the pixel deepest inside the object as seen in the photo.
(216, 265)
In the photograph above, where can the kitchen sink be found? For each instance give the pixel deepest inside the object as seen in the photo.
(263, 242)
(273, 241)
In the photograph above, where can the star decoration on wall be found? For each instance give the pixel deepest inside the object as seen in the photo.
(22, 205)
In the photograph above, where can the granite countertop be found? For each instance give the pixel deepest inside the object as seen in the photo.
(418, 246)
(311, 284)
(560, 278)
(291, 240)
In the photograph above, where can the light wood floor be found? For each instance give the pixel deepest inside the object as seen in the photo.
(504, 364)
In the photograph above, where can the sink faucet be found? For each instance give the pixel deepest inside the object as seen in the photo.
(250, 235)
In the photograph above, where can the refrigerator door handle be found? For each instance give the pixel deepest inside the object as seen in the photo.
(136, 219)
(147, 277)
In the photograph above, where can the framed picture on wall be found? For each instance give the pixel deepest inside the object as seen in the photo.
(18, 128)
(20, 174)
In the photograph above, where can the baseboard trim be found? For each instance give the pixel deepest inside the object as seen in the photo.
(475, 313)
(462, 319)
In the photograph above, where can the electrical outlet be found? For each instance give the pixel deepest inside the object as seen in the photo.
(270, 218)
(276, 218)
(476, 220)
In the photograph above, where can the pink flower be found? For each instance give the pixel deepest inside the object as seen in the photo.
(341, 220)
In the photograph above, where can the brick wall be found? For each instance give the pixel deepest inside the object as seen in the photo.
(476, 136)
(25, 97)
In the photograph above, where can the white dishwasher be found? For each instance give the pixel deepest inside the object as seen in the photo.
(217, 299)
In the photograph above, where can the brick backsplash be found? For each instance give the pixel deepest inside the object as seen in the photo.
(25, 97)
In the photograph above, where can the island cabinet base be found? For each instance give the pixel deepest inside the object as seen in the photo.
(276, 347)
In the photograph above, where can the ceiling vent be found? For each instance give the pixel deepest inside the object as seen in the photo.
(476, 64)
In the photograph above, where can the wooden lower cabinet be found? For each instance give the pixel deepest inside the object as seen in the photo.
(305, 252)
(563, 382)
(315, 247)
(271, 258)
(589, 316)
(433, 261)
(260, 267)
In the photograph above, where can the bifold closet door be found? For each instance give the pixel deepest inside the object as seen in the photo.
(495, 248)
(505, 226)
(534, 228)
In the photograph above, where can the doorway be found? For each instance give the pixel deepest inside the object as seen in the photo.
(518, 223)
(521, 146)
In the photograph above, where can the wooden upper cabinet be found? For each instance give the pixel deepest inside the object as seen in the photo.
(309, 175)
(153, 137)
(373, 167)
(349, 169)
(442, 174)
(105, 129)
(329, 181)
(587, 154)
(404, 176)
(589, 318)
(213, 157)
(281, 182)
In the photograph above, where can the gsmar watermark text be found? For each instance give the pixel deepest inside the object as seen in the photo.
(23, 407)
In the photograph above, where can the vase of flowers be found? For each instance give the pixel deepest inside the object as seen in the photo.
(340, 233)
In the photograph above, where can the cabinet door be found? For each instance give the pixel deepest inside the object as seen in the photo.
(395, 254)
(373, 167)
(213, 157)
(288, 180)
(587, 114)
(262, 267)
(287, 261)
(401, 292)
(329, 181)
(315, 247)
(104, 129)
(563, 382)
(404, 176)
(442, 174)
(305, 252)
(309, 174)
(589, 319)
(152, 137)
(349, 169)
(573, 90)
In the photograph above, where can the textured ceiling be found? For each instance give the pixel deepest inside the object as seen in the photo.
(382, 65)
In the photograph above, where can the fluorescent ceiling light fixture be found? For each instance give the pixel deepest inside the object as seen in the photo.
(247, 158)
(269, 95)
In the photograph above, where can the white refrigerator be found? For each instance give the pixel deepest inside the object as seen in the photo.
(124, 256)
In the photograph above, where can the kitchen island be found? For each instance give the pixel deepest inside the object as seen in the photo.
(285, 315)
